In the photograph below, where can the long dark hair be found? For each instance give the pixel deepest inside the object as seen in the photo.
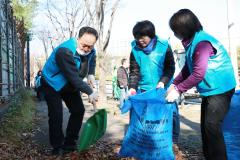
(185, 23)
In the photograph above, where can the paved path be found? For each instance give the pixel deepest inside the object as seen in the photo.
(190, 134)
(116, 124)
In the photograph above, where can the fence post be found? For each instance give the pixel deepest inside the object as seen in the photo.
(28, 61)
(11, 64)
(1, 25)
(7, 35)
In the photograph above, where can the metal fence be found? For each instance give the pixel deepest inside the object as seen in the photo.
(11, 67)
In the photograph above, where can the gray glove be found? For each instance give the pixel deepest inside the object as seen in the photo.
(91, 80)
(93, 98)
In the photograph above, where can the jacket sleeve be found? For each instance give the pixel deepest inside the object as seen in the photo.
(182, 75)
(134, 72)
(200, 64)
(169, 67)
(92, 65)
(120, 78)
(66, 64)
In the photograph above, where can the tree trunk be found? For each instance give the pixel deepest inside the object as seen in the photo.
(102, 80)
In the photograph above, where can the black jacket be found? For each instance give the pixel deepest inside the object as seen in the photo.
(65, 62)
(168, 72)
(122, 77)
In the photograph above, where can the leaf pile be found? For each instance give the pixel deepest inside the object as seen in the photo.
(102, 150)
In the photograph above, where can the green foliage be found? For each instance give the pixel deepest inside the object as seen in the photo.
(19, 116)
(25, 10)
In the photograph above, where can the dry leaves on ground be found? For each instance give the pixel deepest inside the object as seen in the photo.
(102, 150)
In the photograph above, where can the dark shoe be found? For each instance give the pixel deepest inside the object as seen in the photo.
(69, 148)
(57, 151)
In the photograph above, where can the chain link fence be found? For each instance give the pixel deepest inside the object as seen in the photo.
(11, 63)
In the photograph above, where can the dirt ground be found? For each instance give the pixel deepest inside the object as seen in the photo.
(190, 134)
(189, 140)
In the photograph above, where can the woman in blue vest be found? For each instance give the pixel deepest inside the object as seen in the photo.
(151, 64)
(62, 79)
(209, 68)
(151, 60)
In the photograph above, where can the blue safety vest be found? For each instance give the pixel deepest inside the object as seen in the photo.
(151, 65)
(51, 71)
(219, 76)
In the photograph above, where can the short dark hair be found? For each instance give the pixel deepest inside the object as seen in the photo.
(88, 30)
(143, 28)
(123, 61)
(185, 23)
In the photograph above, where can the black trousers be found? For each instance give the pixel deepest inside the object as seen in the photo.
(76, 108)
(213, 110)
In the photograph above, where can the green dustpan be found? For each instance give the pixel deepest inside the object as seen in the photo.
(93, 129)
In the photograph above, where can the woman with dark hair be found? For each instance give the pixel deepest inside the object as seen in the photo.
(209, 68)
(151, 60)
(151, 64)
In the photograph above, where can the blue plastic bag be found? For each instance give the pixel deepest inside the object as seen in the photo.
(149, 134)
(231, 128)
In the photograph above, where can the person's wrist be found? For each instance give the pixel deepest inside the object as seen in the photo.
(176, 88)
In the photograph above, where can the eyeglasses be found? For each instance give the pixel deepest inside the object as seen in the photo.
(143, 38)
(85, 46)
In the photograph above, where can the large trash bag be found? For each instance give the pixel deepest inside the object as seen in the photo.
(93, 130)
(231, 128)
(149, 135)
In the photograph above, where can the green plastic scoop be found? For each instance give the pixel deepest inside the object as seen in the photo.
(93, 130)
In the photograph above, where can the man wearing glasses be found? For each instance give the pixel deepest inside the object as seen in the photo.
(62, 79)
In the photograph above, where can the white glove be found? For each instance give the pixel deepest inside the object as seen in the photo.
(172, 94)
(93, 98)
(91, 80)
(160, 85)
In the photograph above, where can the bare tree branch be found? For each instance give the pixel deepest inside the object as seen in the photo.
(106, 42)
(83, 18)
(87, 5)
(66, 20)
(93, 13)
(44, 39)
(54, 20)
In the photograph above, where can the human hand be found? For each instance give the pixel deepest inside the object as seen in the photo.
(131, 92)
(91, 80)
(160, 85)
(172, 94)
(93, 98)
